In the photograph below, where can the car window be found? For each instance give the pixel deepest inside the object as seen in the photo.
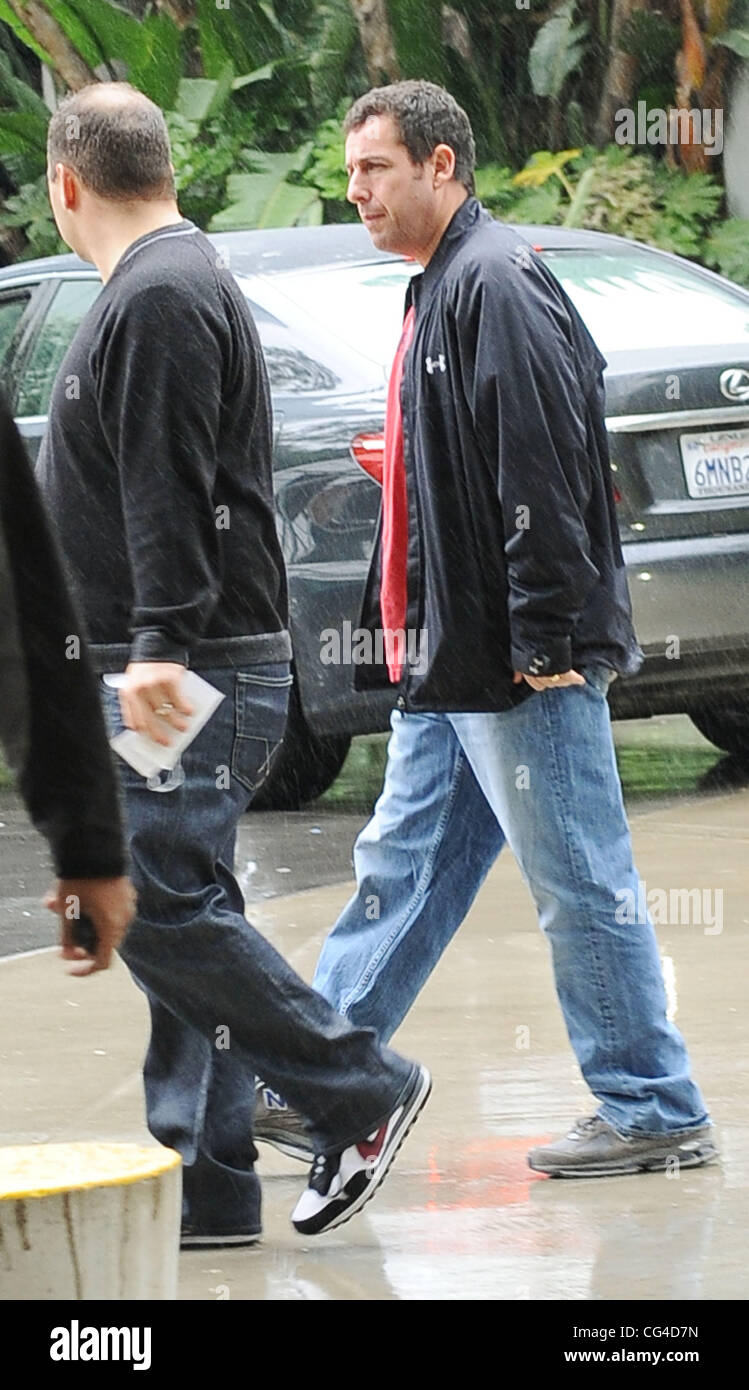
(12, 307)
(361, 305)
(631, 299)
(291, 369)
(71, 302)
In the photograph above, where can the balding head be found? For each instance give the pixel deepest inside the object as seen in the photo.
(115, 139)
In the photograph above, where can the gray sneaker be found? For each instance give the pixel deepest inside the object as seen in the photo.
(276, 1123)
(593, 1149)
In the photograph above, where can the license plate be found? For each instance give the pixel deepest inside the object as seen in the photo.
(716, 464)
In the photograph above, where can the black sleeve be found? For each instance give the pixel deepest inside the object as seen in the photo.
(159, 389)
(530, 413)
(64, 765)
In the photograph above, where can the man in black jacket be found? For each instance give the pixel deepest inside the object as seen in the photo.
(157, 467)
(51, 723)
(498, 552)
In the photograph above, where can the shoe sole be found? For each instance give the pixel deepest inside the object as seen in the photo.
(216, 1242)
(698, 1158)
(418, 1101)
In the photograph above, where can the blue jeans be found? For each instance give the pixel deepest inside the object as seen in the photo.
(224, 1004)
(543, 777)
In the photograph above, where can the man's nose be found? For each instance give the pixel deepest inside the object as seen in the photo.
(356, 193)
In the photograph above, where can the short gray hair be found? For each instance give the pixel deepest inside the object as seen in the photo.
(116, 141)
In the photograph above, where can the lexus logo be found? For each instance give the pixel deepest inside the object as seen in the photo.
(734, 384)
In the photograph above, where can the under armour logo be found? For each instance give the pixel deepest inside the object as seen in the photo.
(432, 365)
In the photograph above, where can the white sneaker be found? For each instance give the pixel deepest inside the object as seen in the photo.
(340, 1184)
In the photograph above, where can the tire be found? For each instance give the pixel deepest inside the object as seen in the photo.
(727, 726)
(304, 767)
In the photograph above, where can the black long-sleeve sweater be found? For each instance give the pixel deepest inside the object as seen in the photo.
(51, 721)
(156, 465)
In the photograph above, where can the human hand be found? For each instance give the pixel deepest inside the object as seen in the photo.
(109, 902)
(149, 697)
(549, 682)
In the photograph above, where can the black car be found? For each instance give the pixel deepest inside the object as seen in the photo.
(328, 308)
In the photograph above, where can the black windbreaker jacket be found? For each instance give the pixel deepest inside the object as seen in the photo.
(514, 559)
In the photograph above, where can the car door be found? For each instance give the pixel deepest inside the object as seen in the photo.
(15, 313)
(56, 309)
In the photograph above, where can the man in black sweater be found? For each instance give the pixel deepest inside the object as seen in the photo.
(51, 724)
(157, 467)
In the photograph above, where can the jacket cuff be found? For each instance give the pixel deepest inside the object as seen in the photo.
(88, 852)
(550, 659)
(151, 644)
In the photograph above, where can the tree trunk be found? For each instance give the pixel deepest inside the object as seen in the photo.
(65, 57)
(620, 72)
(376, 40)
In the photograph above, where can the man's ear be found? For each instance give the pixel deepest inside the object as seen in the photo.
(70, 189)
(443, 162)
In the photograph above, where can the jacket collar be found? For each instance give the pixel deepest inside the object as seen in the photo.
(463, 223)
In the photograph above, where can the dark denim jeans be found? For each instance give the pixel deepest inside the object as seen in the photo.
(225, 1006)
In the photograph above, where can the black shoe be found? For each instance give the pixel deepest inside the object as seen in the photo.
(341, 1183)
(193, 1238)
(276, 1123)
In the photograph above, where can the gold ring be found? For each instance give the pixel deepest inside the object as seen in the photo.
(165, 708)
(554, 678)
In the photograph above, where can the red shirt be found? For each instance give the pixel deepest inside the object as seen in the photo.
(393, 585)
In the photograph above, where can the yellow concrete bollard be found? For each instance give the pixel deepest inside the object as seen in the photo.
(89, 1221)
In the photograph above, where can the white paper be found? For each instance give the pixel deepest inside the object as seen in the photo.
(149, 757)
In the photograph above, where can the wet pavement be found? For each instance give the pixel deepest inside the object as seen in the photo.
(461, 1216)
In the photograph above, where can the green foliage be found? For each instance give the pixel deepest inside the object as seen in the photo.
(654, 41)
(625, 194)
(496, 188)
(417, 35)
(687, 205)
(268, 198)
(247, 36)
(249, 89)
(23, 126)
(538, 205)
(727, 249)
(22, 145)
(8, 16)
(735, 39)
(325, 171)
(204, 156)
(558, 51)
(148, 49)
(30, 209)
(331, 64)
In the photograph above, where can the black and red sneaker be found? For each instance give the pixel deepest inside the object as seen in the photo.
(340, 1184)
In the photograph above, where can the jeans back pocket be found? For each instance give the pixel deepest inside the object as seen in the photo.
(261, 699)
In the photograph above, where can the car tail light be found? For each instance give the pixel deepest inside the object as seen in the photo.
(369, 452)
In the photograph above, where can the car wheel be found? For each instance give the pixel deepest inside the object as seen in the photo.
(304, 767)
(727, 726)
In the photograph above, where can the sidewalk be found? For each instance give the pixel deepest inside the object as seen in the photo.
(461, 1216)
